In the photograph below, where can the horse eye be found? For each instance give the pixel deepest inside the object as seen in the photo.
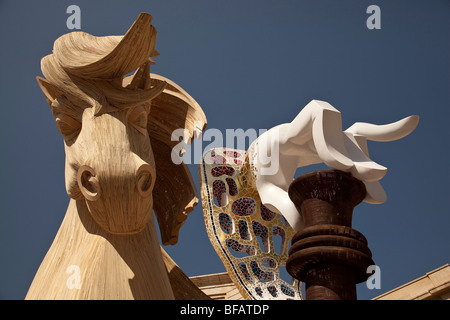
(68, 126)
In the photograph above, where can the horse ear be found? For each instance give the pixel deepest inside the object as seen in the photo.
(50, 91)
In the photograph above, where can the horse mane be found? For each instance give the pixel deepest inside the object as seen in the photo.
(92, 71)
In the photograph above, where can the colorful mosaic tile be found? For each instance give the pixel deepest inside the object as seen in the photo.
(259, 273)
(222, 170)
(217, 159)
(232, 187)
(278, 231)
(244, 206)
(243, 232)
(226, 223)
(220, 192)
(236, 246)
(244, 270)
(232, 153)
(259, 292)
(261, 231)
(266, 214)
(269, 261)
(273, 291)
(287, 291)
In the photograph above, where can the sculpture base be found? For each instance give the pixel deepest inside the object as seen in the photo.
(328, 254)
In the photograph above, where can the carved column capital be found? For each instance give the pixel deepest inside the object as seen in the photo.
(328, 254)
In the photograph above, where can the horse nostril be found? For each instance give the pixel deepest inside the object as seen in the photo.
(145, 180)
(88, 183)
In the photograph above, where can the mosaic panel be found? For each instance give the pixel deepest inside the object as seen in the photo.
(245, 234)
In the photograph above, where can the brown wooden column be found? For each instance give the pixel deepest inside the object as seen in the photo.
(328, 255)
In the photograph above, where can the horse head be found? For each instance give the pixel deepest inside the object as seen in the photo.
(117, 128)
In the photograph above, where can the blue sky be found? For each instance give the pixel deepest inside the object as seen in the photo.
(249, 64)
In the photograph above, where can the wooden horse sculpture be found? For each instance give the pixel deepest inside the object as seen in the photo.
(117, 139)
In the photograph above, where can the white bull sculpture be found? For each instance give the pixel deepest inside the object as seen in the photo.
(313, 137)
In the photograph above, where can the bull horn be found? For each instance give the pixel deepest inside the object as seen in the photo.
(388, 132)
(107, 58)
